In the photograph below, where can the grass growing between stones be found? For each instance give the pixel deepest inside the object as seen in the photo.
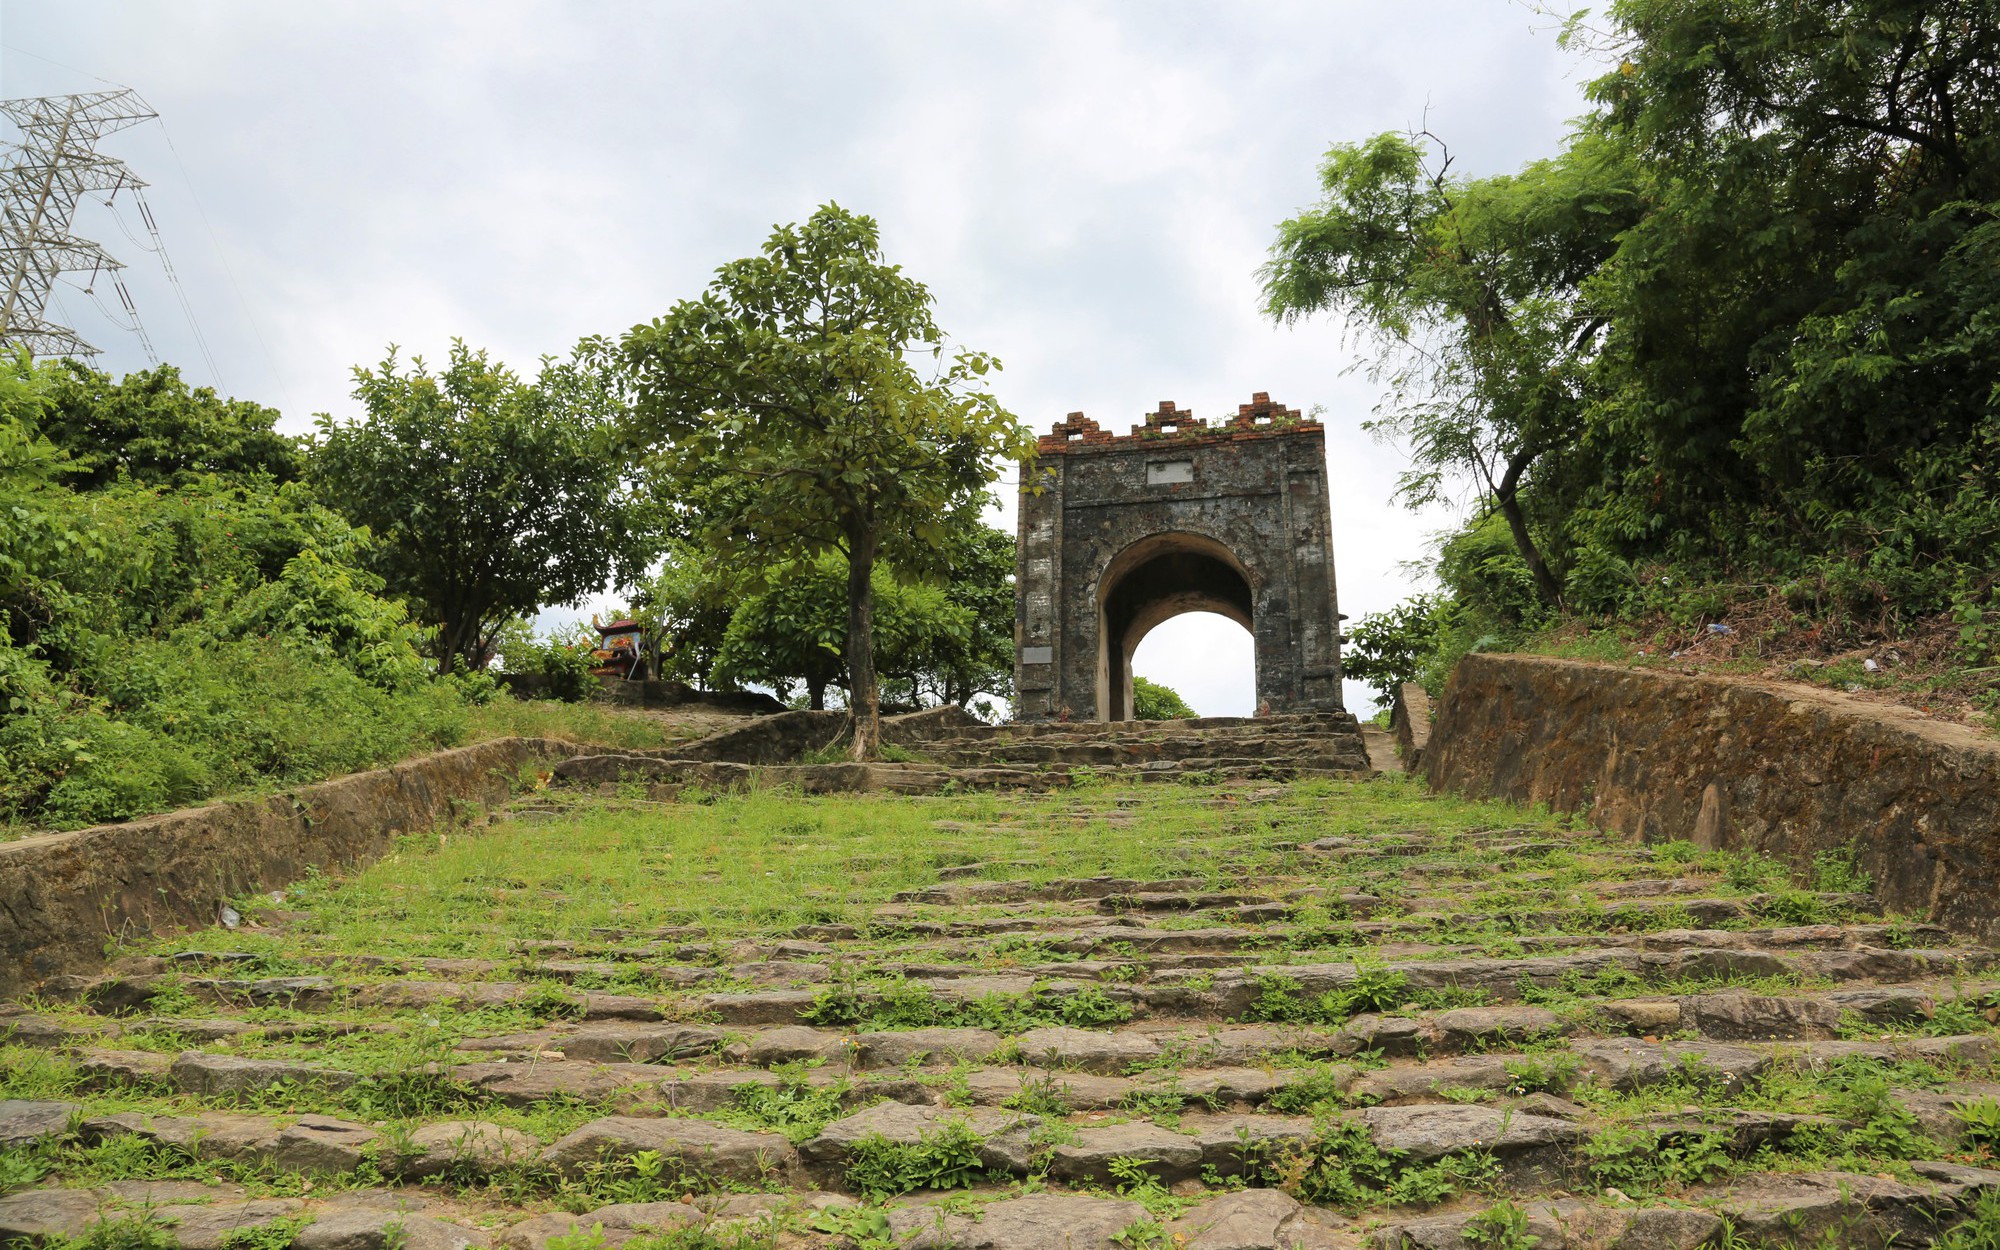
(766, 861)
(1307, 980)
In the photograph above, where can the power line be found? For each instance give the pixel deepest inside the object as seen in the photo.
(173, 279)
(53, 166)
(58, 64)
(159, 245)
(214, 243)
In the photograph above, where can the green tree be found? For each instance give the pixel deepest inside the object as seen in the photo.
(1152, 701)
(793, 630)
(152, 429)
(964, 647)
(1474, 291)
(788, 410)
(944, 639)
(1386, 649)
(1738, 336)
(489, 496)
(686, 612)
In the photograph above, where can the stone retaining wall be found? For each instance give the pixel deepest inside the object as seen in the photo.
(783, 738)
(680, 694)
(1731, 763)
(64, 896)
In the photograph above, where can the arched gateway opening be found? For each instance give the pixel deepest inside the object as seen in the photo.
(1210, 661)
(1152, 581)
(1121, 533)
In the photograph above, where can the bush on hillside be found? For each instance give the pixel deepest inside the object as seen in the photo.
(1728, 354)
(564, 658)
(1152, 701)
(169, 636)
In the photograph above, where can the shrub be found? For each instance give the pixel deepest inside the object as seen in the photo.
(1342, 1167)
(1980, 1122)
(1153, 701)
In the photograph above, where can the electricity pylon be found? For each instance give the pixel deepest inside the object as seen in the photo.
(51, 168)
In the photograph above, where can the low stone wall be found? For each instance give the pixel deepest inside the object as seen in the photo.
(64, 896)
(680, 694)
(778, 739)
(783, 738)
(1731, 763)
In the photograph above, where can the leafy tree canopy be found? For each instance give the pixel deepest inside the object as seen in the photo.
(936, 641)
(489, 496)
(1473, 290)
(1153, 701)
(152, 429)
(807, 403)
(1737, 338)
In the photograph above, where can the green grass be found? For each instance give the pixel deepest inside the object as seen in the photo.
(595, 724)
(769, 861)
(311, 736)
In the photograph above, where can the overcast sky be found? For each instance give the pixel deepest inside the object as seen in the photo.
(1087, 189)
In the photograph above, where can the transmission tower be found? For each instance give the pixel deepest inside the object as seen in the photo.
(55, 165)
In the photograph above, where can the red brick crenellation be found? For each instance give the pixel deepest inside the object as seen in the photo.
(1260, 418)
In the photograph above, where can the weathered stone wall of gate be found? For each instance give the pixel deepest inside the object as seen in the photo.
(1731, 763)
(1255, 485)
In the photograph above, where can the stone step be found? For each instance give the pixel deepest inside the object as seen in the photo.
(1313, 752)
(1220, 988)
(667, 776)
(1756, 1209)
(1129, 953)
(1229, 994)
(1803, 1025)
(1331, 722)
(1068, 1072)
(1790, 1209)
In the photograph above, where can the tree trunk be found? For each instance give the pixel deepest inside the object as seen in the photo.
(451, 638)
(864, 700)
(816, 693)
(1507, 495)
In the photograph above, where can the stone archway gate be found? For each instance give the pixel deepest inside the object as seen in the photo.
(1120, 533)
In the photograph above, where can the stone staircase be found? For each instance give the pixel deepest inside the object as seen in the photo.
(1033, 757)
(1483, 1037)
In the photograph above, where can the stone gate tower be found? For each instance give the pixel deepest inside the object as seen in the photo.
(1120, 533)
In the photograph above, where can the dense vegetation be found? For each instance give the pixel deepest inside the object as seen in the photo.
(1729, 356)
(178, 614)
(193, 603)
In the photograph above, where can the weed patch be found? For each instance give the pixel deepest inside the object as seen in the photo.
(1281, 999)
(793, 1106)
(946, 1159)
(901, 1004)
